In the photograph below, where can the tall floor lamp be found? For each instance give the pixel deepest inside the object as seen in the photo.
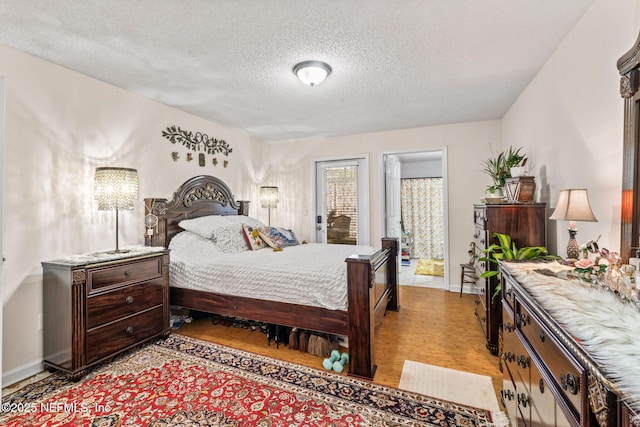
(573, 205)
(269, 198)
(115, 188)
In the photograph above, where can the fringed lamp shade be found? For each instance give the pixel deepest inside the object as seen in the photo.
(115, 188)
(269, 197)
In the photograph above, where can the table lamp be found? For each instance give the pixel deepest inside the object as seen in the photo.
(115, 188)
(573, 205)
(269, 198)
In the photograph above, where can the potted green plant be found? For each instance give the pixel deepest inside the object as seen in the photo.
(506, 250)
(498, 167)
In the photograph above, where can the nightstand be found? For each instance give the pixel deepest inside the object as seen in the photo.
(100, 304)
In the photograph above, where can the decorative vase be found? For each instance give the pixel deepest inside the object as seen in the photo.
(521, 189)
(518, 171)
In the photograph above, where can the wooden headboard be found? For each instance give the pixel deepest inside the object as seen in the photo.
(199, 196)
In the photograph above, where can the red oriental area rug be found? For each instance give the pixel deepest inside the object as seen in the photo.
(183, 381)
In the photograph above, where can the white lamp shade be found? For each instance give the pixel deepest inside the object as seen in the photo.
(312, 73)
(115, 188)
(269, 196)
(573, 205)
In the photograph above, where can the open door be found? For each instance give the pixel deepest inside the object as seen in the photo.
(393, 205)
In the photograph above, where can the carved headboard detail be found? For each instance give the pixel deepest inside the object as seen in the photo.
(199, 196)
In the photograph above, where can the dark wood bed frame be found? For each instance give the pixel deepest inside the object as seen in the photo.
(372, 279)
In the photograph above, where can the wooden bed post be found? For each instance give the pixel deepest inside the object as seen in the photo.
(360, 280)
(370, 295)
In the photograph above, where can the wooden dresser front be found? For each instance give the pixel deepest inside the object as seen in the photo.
(549, 377)
(99, 305)
(526, 225)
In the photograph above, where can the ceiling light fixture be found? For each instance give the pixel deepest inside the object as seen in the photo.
(312, 73)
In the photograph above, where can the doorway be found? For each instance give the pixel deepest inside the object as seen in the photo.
(422, 198)
(342, 201)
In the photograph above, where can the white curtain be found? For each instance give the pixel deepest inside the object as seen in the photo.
(423, 216)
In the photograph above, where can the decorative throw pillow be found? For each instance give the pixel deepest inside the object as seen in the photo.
(278, 237)
(253, 237)
(230, 238)
(208, 226)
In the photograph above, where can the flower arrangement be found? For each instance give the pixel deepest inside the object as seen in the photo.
(586, 268)
(498, 167)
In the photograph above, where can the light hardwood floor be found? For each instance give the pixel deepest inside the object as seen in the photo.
(433, 326)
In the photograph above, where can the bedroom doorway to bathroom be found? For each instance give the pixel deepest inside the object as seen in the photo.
(342, 204)
(415, 211)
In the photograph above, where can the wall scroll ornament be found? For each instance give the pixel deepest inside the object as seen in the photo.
(199, 142)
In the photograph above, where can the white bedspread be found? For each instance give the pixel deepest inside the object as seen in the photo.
(311, 274)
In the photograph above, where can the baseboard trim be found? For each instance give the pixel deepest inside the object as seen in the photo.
(21, 373)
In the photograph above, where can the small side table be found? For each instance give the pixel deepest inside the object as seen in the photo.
(100, 304)
(467, 275)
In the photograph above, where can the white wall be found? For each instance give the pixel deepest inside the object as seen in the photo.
(59, 126)
(570, 119)
(422, 169)
(292, 169)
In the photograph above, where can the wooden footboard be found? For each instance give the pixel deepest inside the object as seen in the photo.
(373, 289)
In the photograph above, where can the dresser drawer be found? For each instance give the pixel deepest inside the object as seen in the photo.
(508, 293)
(568, 375)
(116, 336)
(480, 216)
(121, 274)
(508, 335)
(125, 301)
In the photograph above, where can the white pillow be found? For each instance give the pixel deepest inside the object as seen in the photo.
(230, 238)
(207, 226)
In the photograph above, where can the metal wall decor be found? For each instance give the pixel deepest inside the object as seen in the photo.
(199, 142)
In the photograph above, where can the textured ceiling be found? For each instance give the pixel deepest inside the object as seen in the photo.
(396, 64)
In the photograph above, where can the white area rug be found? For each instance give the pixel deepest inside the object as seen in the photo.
(451, 385)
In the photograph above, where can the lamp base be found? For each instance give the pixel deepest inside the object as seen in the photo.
(573, 249)
(119, 251)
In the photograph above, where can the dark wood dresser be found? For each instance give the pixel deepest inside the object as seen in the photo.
(98, 305)
(549, 377)
(526, 224)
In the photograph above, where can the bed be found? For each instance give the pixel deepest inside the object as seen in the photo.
(372, 286)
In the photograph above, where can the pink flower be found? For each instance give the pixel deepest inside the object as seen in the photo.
(584, 263)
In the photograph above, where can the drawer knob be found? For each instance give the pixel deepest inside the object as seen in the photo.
(129, 330)
(507, 394)
(569, 383)
(522, 319)
(509, 357)
(542, 336)
(127, 273)
(541, 386)
(129, 300)
(508, 327)
(523, 399)
(522, 361)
